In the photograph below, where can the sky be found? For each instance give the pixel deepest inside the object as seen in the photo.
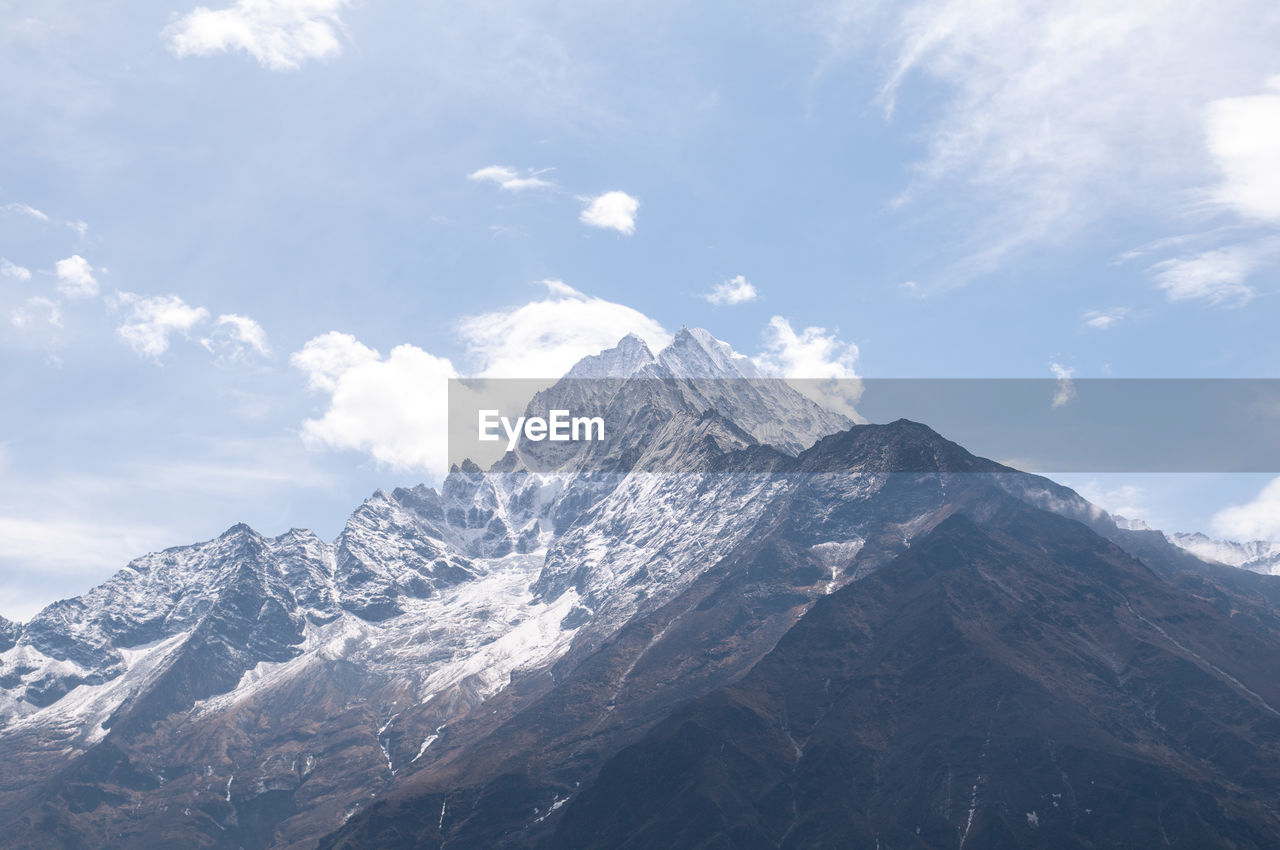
(242, 245)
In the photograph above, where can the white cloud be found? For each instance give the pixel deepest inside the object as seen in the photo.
(913, 289)
(510, 179)
(395, 409)
(151, 321)
(1257, 520)
(813, 353)
(69, 546)
(233, 336)
(1046, 116)
(75, 277)
(1244, 140)
(328, 357)
(280, 34)
(1217, 276)
(28, 313)
(10, 269)
(611, 211)
(1124, 500)
(544, 339)
(735, 290)
(1101, 320)
(1065, 390)
(27, 210)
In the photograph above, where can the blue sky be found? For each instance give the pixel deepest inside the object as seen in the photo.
(237, 239)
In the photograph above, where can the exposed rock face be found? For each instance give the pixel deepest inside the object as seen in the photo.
(1011, 680)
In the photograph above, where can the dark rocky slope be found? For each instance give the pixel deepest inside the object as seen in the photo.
(1013, 680)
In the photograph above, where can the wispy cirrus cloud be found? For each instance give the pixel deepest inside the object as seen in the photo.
(1047, 117)
(13, 270)
(281, 35)
(1102, 320)
(1218, 276)
(33, 309)
(511, 179)
(26, 210)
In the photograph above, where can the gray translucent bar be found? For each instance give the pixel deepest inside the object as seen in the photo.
(1084, 425)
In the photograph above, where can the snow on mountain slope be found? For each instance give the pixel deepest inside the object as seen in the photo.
(470, 636)
(652, 536)
(629, 356)
(80, 641)
(1259, 556)
(428, 603)
(79, 717)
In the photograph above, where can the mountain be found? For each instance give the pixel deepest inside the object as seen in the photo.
(460, 664)
(844, 509)
(254, 690)
(1259, 556)
(1012, 680)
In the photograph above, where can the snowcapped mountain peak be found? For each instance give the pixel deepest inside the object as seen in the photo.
(629, 356)
(695, 353)
(240, 531)
(1259, 556)
(640, 396)
(304, 535)
(632, 339)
